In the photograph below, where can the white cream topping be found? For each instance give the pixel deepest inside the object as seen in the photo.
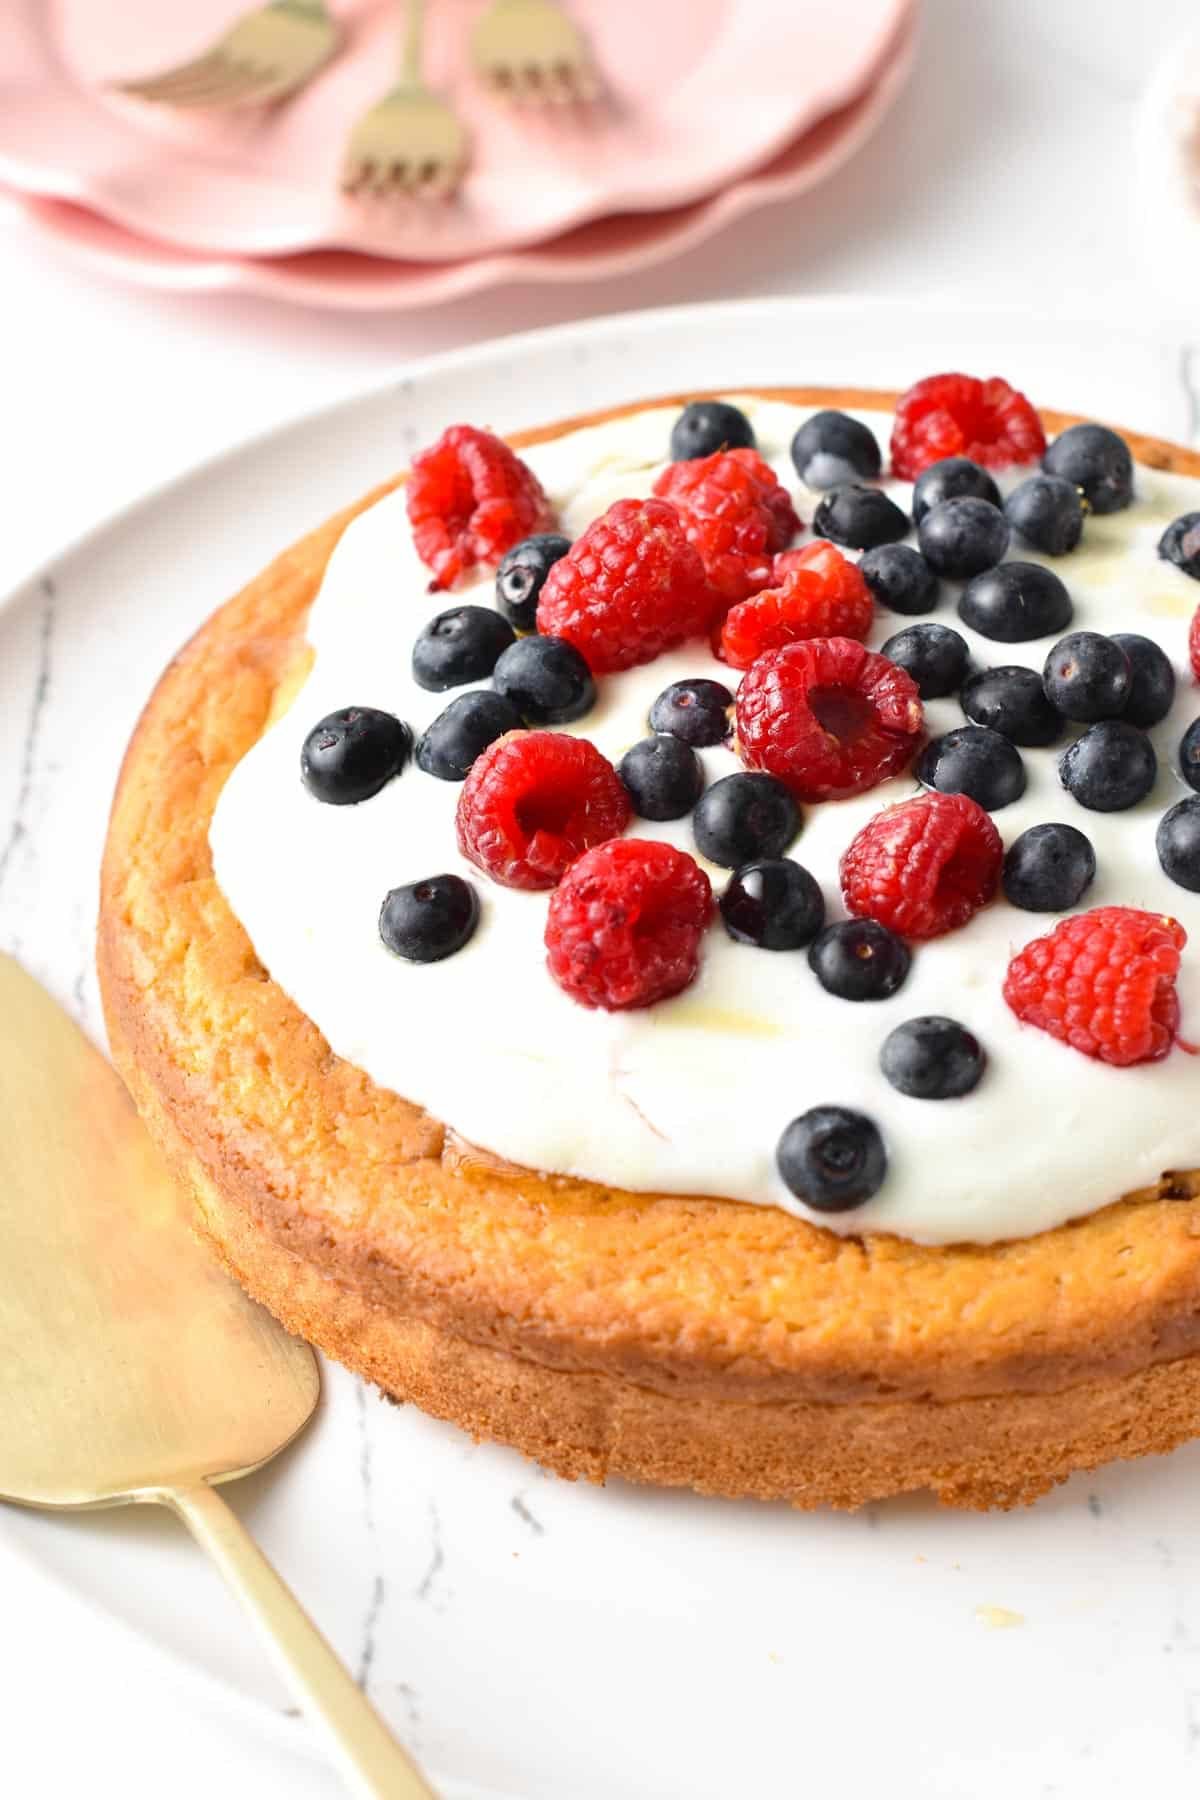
(691, 1096)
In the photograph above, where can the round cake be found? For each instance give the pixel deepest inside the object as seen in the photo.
(665, 941)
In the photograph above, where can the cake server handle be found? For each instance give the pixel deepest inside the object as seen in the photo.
(372, 1761)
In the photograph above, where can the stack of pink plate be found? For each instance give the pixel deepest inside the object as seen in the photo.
(712, 107)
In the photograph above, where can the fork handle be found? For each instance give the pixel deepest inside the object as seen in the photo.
(372, 1761)
(411, 33)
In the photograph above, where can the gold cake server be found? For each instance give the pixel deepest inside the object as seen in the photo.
(131, 1367)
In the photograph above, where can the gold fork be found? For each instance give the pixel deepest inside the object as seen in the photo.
(530, 51)
(266, 54)
(410, 142)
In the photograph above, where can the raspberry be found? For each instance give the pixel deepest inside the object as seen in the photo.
(629, 588)
(827, 717)
(924, 867)
(533, 802)
(625, 924)
(1194, 643)
(1103, 982)
(737, 515)
(469, 500)
(959, 415)
(820, 594)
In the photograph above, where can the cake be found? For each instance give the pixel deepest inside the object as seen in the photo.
(842, 1143)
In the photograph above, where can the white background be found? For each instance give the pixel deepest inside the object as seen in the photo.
(1005, 175)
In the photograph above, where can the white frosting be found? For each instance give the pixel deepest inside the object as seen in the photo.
(691, 1096)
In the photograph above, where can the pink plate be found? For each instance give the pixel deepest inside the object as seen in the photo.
(699, 93)
(606, 247)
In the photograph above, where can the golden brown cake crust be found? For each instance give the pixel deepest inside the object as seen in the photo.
(601, 1331)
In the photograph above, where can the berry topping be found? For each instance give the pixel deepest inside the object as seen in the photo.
(1189, 755)
(828, 717)
(1046, 513)
(351, 754)
(461, 644)
(1087, 677)
(859, 516)
(924, 867)
(736, 515)
(958, 415)
(832, 1158)
(963, 537)
(900, 578)
(1178, 843)
(706, 426)
(1104, 983)
(663, 776)
(625, 924)
(1110, 768)
(953, 478)
(522, 574)
(821, 594)
(430, 919)
(935, 656)
(695, 711)
(629, 588)
(1010, 699)
(973, 760)
(1180, 544)
(1095, 460)
(546, 679)
(859, 959)
(932, 1058)
(1152, 694)
(534, 802)
(831, 448)
(1049, 868)
(463, 731)
(745, 818)
(774, 904)
(469, 500)
(1016, 602)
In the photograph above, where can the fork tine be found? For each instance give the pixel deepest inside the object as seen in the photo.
(159, 87)
(238, 86)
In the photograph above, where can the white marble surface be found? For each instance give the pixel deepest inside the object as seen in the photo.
(1006, 176)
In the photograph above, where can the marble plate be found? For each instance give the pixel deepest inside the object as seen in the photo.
(529, 1638)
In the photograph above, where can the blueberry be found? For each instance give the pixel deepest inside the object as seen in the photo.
(935, 656)
(351, 754)
(859, 517)
(899, 578)
(831, 448)
(460, 733)
(975, 761)
(932, 1058)
(429, 919)
(743, 818)
(695, 710)
(663, 776)
(1152, 694)
(774, 904)
(1049, 868)
(1189, 755)
(954, 478)
(1046, 513)
(461, 644)
(961, 538)
(1095, 460)
(1180, 544)
(1010, 699)
(522, 573)
(1015, 603)
(1087, 677)
(1178, 843)
(706, 426)
(1111, 767)
(832, 1158)
(858, 959)
(546, 679)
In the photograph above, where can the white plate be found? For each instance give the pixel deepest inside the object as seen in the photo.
(528, 1637)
